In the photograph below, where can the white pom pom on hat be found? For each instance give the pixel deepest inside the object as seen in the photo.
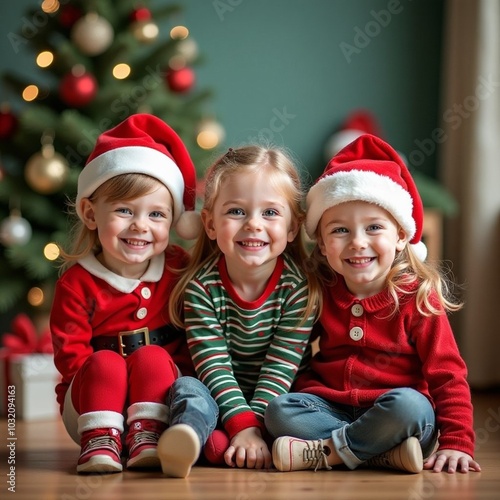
(368, 169)
(145, 144)
(357, 123)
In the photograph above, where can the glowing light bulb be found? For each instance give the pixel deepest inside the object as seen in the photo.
(51, 251)
(179, 33)
(121, 71)
(35, 296)
(45, 59)
(30, 93)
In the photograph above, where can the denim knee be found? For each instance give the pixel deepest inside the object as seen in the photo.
(407, 406)
(273, 416)
(297, 414)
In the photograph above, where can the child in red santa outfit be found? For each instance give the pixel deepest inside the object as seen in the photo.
(388, 380)
(117, 353)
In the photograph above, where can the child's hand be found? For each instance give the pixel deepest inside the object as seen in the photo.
(248, 449)
(451, 460)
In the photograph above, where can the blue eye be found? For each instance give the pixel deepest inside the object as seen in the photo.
(270, 212)
(123, 210)
(236, 211)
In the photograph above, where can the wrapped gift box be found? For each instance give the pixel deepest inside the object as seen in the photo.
(33, 378)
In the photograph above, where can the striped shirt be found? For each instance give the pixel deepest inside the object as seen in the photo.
(246, 353)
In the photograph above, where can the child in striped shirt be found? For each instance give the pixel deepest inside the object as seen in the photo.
(248, 302)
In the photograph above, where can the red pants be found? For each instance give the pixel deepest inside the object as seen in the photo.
(109, 382)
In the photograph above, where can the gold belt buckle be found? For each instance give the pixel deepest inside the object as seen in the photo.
(121, 345)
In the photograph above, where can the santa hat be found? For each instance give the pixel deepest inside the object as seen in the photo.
(144, 144)
(357, 123)
(370, 170)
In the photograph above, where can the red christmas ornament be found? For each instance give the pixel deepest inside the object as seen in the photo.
(8, 124)
(180, 80)
(69, 15)
(140, 14)
(78, 88)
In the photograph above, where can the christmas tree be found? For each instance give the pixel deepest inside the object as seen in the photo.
(97, 62)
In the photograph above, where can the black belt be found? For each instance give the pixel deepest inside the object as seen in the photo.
(128, 342)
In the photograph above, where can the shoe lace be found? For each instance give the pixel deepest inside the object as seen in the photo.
(316, 454)
(102, 442)
(144, 437)
(379, 461)
(382, 460)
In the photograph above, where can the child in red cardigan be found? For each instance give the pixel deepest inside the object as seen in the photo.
(388, 380)
(113, 342)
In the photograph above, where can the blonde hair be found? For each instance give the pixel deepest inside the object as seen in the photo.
(85, 241)
(406, 270)
(281, 172)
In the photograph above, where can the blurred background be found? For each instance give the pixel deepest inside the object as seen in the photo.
(301, 74)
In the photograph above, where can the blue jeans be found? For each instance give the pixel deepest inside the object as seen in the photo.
(358, 434)
(190, 403)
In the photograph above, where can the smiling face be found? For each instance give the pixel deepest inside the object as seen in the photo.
(251, 221)
(360, 241)
(131, 232)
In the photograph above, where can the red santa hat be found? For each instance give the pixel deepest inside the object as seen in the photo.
(357, 123)
(144, 144)
(370, 170)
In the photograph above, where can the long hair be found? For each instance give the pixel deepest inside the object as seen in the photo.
(83, 240)
(282, 174)
(406, 270)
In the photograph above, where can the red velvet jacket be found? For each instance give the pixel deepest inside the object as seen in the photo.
(91, 301)
(364, 352)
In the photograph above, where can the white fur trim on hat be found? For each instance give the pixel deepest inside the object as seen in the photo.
(359, 185)
(132, 160)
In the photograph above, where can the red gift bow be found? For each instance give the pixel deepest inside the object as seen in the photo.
(24, 338)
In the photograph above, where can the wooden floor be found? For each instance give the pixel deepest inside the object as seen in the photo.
(45, 460)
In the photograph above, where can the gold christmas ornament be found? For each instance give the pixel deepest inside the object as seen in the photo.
(92, 34)
(46, 172)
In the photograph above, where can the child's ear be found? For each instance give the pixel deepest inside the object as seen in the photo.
(321, 243)
(208, 224)
(88, 214)
(293, 231)
(402, 240)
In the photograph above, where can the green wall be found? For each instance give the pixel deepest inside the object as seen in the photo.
(290, 70)
(267, 55)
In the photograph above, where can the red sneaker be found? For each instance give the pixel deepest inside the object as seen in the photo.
(142, 442)
(101, 450)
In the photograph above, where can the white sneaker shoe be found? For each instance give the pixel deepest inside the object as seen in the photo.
(178, 450)
(290, 453)
(406, 456)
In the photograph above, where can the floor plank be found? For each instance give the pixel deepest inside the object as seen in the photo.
(45, 460)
